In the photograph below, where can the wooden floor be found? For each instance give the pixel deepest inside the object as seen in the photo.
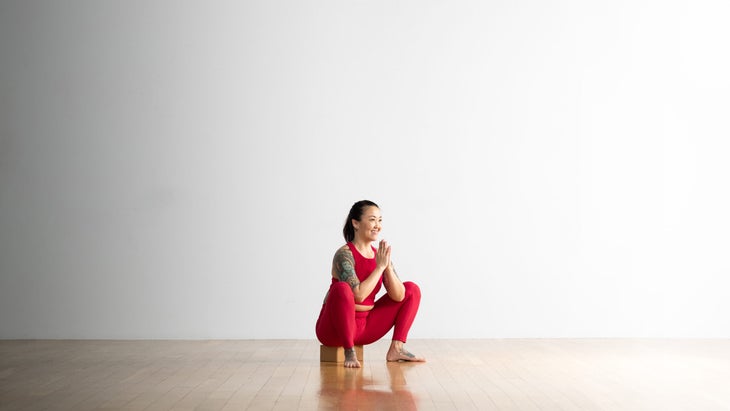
(510, 374)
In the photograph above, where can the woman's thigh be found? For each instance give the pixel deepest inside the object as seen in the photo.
(379, 321)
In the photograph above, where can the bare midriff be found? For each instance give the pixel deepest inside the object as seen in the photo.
(359, 307)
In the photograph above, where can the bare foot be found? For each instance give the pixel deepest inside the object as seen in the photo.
(398, 352)
(351, 359)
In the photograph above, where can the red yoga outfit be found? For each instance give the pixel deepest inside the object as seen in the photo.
(339, 325)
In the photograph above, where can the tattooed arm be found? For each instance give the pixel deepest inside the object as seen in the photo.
(343, 269)
(393, 284)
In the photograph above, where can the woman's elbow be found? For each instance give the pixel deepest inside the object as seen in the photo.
(398, 297)
(357, 295)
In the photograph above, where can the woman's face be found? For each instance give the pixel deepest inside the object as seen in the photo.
(369, 225)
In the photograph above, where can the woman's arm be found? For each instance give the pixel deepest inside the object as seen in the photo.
(393, 285)
(343, 267)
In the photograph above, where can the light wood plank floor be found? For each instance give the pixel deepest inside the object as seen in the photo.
(504, 374)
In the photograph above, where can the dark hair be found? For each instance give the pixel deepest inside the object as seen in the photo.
(355, 214)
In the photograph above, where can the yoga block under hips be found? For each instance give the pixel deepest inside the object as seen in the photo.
(337, 354)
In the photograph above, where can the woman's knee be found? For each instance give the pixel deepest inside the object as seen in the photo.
(341, 290)
(412, 289)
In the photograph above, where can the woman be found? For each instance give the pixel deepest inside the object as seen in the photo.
(350, 315)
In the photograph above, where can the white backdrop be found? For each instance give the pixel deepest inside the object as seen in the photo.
(544, 169)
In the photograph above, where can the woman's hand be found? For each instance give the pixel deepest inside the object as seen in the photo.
(382, 258)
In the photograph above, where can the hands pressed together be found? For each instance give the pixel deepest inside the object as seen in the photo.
(382, 258)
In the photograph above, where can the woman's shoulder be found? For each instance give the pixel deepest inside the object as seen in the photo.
(344, 249)
(343, 252)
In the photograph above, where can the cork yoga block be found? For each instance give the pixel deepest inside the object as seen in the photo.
(337, 354)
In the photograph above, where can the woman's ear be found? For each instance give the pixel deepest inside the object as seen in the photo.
(355, 224)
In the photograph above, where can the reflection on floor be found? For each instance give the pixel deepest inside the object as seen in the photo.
(509, 374)
(344, 389)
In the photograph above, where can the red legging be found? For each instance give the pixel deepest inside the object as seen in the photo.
(339, 325)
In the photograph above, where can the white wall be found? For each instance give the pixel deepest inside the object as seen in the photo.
(545, 169)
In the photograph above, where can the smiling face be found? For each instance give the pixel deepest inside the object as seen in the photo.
(369, 225)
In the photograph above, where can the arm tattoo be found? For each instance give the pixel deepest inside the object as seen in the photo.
(344, 265)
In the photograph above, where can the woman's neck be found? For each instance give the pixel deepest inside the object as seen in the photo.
(363, 246)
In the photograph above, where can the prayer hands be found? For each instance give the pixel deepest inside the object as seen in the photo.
(382, 258)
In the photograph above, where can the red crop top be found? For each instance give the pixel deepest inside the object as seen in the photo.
(363, 268)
